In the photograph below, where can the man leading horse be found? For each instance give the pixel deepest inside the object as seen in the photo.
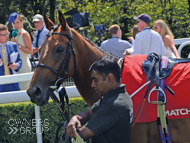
(110, 119)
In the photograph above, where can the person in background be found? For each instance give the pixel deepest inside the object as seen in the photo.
(110, 119)
(39, 35)
(134, 32)
(167, 36)
(26, 25)
(24, 44)
(146, 41)
(115, 45)
(7, 65)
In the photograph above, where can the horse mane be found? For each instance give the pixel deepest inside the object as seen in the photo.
(55, 27)
(101, 50)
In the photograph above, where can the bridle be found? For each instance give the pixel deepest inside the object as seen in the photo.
(66, 62)
(62, 92)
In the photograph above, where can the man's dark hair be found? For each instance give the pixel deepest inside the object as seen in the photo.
(3, 27)
(105, 66)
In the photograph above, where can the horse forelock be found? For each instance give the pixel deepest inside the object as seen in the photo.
(55, 27)
(56, 38)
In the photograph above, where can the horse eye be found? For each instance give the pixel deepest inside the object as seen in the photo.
(60, 50)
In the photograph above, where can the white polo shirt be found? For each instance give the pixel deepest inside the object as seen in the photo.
(148, 41)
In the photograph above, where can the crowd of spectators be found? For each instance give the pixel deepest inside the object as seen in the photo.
(21, 44)
(144, 40)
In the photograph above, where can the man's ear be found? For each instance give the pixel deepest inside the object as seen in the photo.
(110, 77)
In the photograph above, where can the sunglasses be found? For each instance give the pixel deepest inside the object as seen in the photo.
(5, 34)
(139, 21)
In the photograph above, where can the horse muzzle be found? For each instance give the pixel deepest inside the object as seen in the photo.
(37, 96)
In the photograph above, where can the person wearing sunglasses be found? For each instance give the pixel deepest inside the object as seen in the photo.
(167, 36)
(10, 61)
(146, 41)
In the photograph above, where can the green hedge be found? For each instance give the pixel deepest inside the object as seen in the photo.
(17, 121)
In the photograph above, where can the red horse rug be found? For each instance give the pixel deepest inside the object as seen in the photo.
(177, 105)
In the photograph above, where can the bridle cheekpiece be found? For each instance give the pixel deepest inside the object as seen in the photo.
(66, 62)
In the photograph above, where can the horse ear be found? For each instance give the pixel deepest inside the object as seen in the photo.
(48, 22)
(62, 21)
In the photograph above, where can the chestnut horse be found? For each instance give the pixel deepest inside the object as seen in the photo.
(58, 61)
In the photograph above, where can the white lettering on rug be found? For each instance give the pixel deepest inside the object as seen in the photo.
(178, 112)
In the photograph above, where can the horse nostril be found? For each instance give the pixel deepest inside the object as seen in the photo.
(37, 92)
(34, 92)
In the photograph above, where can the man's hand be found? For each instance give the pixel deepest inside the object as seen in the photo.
(127, 52)
(13, 66)
(131, 39)
(1, 62)
(71, 127)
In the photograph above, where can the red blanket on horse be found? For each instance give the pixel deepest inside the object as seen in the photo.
(177, 105)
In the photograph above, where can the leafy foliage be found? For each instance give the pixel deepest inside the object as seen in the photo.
(174, 12)
(22, 117)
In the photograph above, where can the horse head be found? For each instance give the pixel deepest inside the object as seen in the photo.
(56, 63)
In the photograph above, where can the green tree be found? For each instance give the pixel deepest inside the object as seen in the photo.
(174, 12)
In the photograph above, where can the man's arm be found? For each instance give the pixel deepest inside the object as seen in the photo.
(76, 122)
(34, 48)
(34, 40)
(18, 63)
(86, 133)
(126, 45)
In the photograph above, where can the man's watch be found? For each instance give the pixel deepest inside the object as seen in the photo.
(19, 46)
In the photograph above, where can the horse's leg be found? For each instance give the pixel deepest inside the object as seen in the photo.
(145, 133)
(180, 130)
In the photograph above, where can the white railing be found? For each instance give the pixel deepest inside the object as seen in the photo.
(182, 42)
(21, 96)
(182, 46)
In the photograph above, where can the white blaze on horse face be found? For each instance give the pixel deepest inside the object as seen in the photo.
(45, 51)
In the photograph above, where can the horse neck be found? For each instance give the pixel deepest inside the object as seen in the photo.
(86, 54)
